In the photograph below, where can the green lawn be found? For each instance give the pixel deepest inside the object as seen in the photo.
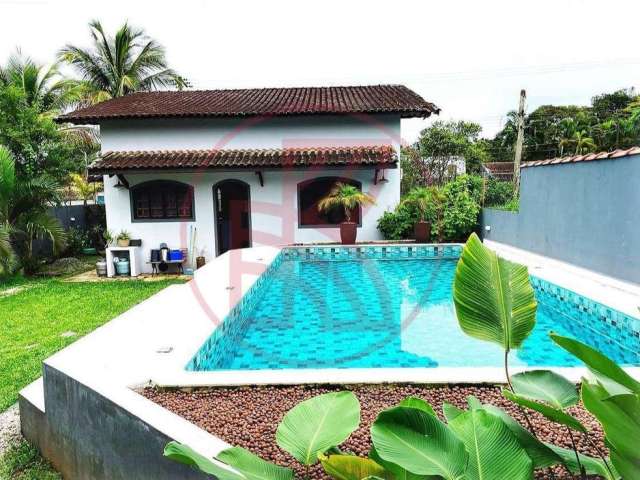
(23, 462)
(33, 320)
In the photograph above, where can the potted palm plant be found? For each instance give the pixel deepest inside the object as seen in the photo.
(347, 197)
(425, 201)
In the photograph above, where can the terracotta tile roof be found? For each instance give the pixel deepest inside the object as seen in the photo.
(252, 102)
(499, 170)
(584, 158)
(115, 162)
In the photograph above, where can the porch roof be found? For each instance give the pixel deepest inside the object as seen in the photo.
(241, 159)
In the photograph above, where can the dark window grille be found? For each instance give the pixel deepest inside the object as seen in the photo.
(162, 200)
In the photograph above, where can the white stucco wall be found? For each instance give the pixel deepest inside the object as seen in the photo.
(276, 132)
(274, 212)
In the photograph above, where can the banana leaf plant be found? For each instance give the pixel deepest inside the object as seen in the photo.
(409, 442)
(493, 298)
(613, 397)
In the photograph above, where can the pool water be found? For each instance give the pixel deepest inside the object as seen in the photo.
(392, 312)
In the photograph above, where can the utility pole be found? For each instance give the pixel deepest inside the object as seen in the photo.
(519, 141)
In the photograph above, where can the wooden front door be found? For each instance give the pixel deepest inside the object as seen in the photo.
(233, 216)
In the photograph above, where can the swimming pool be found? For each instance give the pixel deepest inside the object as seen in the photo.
(389, 307)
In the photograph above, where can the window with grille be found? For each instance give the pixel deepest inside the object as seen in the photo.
(162, 200)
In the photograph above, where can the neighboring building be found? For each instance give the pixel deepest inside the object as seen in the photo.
(247, 167)
(498, 170)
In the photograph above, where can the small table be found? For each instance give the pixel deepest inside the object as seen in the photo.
(154, 265)
(134, 260)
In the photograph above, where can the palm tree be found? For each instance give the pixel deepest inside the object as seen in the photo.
(47, 91)
(81, 187)
(425, 199)
(23, 214)
(44, 87)
(584, 143)
(345, 196)
(567, 129)
(115, 66)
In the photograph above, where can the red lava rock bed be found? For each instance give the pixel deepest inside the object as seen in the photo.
(248, 416)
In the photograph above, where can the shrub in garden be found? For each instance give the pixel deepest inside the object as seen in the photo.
(498, 193)
(453, 213)
(397, 225)
(77, 239)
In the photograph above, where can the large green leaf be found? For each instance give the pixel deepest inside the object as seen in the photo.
(252, 466)
(541, 455)
(419, 443)
(397, 471)
(592, 466)
(597, 362)
(186, 455)
(494, 452)
(451, 411)
(619, 416)
(350, 467)
(493, 297)
(553, 414)
(419, 403)
(317, 424)
(545, 386)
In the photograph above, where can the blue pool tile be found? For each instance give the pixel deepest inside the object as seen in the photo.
(390, 306)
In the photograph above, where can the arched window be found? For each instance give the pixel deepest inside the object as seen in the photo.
(310, 192)
(162, 200)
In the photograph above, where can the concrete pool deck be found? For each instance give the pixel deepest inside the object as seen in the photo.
(85, 417)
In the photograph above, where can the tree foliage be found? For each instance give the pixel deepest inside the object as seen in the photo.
(117, 65)
(611, 121)
(431, 160)
(35, 141)
(24, 202)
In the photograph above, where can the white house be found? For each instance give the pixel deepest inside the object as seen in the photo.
(247, 167)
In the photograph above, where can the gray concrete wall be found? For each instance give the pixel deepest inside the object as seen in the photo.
(584, 213)
(86, 436)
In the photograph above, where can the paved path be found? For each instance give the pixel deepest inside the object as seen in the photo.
(9, 427)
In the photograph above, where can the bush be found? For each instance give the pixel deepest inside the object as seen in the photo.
(461, 208)
(77, 239)
(513, 205)
(498, 193)
(453, 219)
(397, 225)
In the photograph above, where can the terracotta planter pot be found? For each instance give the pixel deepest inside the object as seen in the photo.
(123, 243)
(348, 232)
(422, 232)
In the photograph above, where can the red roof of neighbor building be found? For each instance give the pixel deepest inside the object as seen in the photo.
(396, 99)
(584, 158)
(369, 156)
(499, 170)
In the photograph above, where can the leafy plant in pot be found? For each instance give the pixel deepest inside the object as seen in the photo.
(347, 197)
(123, 238)
(427, 202)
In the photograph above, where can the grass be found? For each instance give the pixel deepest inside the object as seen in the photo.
(23, 462)
(33, 319)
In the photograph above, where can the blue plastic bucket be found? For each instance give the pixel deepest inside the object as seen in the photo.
(175, 255)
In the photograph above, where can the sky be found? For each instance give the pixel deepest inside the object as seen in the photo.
(471, 58)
